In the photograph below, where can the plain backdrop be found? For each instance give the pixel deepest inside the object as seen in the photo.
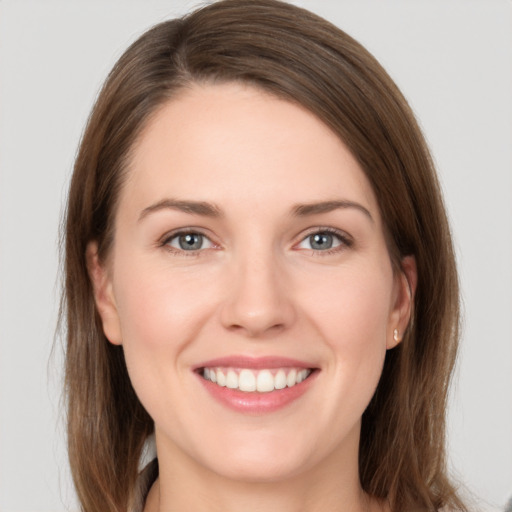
(453, 61)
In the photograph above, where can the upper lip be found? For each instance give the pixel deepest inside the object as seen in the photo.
(256, 363)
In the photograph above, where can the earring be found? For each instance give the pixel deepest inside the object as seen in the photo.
(396, 336)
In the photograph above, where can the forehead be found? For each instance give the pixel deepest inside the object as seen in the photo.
(217, 142)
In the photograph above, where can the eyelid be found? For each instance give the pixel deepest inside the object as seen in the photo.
(165, 240)
(344, 238)
(346, 241)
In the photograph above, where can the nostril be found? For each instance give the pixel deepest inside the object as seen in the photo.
(255, 329)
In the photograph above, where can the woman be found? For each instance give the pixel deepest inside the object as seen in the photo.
(259, 270)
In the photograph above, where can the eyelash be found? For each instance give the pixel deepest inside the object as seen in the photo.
(169, 237)
(345, 241)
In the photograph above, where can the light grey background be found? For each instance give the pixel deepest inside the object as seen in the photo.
(452, 59)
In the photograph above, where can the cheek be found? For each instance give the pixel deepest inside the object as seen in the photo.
(158, 308)
(352, 314)
(160, 317)
(352, 306)
(146, 319)
(148, 314)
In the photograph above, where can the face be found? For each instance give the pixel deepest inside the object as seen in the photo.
(250, 285)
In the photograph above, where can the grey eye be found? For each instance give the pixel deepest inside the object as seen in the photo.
(322, 241)
(189, 242)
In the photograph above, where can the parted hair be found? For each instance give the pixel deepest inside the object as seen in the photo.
(299, 57)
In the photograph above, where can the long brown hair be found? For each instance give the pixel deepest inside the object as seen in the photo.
(301, 58)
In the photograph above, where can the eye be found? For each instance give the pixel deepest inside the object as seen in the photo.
(324, 240)
(188, 241)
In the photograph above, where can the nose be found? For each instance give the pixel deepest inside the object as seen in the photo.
(260, 300)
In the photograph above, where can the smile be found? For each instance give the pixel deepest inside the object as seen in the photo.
(252, 380)
(256, 385)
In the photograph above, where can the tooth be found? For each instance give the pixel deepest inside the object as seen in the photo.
(301, 376)
(221, 378)
(280, 380)
(265, 381)
(246, 381)
(231, 380)
(291, 379)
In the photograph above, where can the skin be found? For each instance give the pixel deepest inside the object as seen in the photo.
(257, 287)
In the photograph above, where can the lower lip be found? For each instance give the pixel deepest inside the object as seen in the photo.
(254, 402)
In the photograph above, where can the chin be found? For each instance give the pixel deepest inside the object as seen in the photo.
(263, 457)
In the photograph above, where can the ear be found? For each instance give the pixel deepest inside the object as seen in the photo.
(405, 289)
(103, 295)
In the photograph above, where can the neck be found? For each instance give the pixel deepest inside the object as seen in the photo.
(183, 484)
(256, 499)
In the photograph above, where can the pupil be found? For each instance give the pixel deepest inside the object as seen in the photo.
(191, 241)
(321, 241)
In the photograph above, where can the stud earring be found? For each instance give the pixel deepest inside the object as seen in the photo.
(396, 336)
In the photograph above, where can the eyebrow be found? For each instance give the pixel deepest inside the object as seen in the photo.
(303, 210)
(206, 209)
(194, 207)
